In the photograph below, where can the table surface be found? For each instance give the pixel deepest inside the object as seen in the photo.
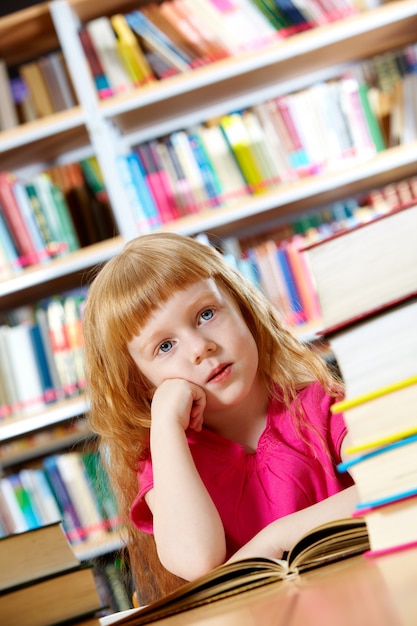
(359, 591)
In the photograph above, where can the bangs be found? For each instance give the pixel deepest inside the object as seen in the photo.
(139, 280)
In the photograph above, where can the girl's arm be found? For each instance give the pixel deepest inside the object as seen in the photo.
(279, 536)
(188, 530)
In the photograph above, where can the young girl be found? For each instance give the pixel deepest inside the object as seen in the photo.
(216, 421)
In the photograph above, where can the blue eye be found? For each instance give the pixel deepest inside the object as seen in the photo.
(166, 346)
(207, 314)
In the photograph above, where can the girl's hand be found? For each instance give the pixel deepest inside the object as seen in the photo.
(179, 401)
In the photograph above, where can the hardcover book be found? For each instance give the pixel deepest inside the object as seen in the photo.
(365, 267)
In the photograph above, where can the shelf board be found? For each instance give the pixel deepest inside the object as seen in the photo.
(91, 549)
(38, 279)
(50, 415)
(41, 140)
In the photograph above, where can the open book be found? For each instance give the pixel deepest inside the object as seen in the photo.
(329, 542)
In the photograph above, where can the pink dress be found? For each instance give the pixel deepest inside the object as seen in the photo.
(292, 468)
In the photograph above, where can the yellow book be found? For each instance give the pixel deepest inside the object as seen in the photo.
(239, 141)
(135, 61)
(380, 417)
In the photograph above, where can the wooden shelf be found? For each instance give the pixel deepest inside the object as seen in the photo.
(50, 415)
(278, 203)
(252, 77)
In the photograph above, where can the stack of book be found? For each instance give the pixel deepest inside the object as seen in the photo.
(43, 583)
(366, 279)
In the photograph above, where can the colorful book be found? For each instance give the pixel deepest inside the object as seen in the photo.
(20, 350)
(180, 142)
(142, 202)
(384, 473)
(369, 418)
(241, 146)
(155, 40)
(391, 526)
(71, 522)
(156, 183)
(106, 46)
(131, 53)
(15, 222)
(102, 84)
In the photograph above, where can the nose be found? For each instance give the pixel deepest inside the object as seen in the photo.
(202, 348)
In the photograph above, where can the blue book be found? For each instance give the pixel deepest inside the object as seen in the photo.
(207, 173)
(9, 247)
(24, 502)
(71, 522)
(293, 292)
(292, 13)
(144, 210)
(140, 24)
(346, 465)
(49, 391)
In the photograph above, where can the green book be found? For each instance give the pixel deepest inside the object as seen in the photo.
(371, 120)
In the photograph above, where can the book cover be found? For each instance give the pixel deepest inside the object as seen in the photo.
(74, 590)
(35, 553)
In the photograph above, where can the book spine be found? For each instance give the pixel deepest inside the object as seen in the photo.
(15, 222)
(142, 203)
(71, 521)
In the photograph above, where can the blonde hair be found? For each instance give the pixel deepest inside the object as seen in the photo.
(121, 299)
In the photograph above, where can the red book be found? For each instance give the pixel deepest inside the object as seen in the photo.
(157, 184)
(15, 221)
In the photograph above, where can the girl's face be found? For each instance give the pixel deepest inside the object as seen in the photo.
(199, 335)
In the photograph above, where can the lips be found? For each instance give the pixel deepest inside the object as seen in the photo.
(219, 373)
